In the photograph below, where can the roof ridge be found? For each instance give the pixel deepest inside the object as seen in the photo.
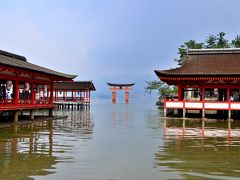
(5, 53)
(213, 51)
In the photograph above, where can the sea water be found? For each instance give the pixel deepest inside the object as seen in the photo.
(121, 142)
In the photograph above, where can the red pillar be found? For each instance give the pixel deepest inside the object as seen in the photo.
(126, 96)
(32, 93)
(228, 94)
(51, 93)
(16, 92)
(56, 95)
(203, 93)
(179, 93)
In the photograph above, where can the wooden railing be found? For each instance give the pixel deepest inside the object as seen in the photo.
(72, 99)
(6, 102)
(211, 105)
(23, 102)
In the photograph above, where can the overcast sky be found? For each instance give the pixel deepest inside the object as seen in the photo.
(97, 39)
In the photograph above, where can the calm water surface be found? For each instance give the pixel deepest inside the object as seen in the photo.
(120, 142)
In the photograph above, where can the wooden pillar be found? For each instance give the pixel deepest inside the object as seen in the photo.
(126, 96)
(229, 130)
(16, 92)
(15, 116)
(203, 102)
(47, 92)
(179, 93)
(32, 93)
(51, 112)
(184, 113)
(32, 114)
(184, 109)
(165, 109)
(51, 93)
(55, 95)
(228, 94)
(203, 113)
(229, 114)
(114, 95)
(203, 131)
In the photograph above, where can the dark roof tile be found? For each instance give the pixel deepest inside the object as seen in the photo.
(17, 61)
(75, 85)
(207, 63)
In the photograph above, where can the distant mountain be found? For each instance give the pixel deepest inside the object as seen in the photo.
(103, 91)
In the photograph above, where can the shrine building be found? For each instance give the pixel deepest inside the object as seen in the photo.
(73, 94)
(25, 86)
(208, 82)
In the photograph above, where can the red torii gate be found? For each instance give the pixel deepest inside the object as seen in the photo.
(115, 87)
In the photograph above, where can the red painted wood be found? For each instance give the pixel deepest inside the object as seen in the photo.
(16, 92)
(179, 92)
(51, 93)
(32, 93)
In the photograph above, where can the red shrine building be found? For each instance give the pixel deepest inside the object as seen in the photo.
(74, 93)
(26, 86)
(208, 83)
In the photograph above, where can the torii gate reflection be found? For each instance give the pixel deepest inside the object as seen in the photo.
(115, 87)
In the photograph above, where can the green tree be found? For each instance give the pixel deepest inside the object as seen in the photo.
(211, 42)
(182, 50)
(221, 41)
(236, 42)
(163, 88)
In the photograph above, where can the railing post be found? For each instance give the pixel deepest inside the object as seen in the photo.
(203, 108)
(184, 109)
(165, 109)
(229, 109)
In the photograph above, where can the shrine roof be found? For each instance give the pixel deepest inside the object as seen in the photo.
(17, 61)
(207, 62)
(75, 85)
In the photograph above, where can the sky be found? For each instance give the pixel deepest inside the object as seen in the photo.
(111, 40)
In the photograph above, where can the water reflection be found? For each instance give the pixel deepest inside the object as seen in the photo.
(34, 149)
(206, 149)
